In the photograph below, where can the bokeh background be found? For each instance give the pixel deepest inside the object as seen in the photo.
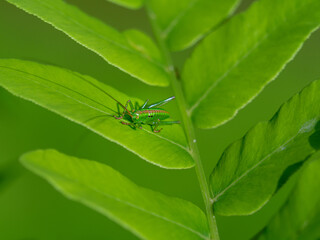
(30, 209)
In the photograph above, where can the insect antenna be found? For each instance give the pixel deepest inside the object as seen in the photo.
(129, 113)
(94, 85)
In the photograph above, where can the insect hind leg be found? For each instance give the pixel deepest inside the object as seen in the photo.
(168, 122)
(155, 128)
(159, 123)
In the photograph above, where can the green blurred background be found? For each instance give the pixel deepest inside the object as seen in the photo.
(30, 209)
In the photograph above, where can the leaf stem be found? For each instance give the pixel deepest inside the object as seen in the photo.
(189, 129)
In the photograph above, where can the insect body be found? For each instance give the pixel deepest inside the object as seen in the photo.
(146, 114)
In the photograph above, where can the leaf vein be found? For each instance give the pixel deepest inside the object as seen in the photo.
(96, 34)
(280, 148)
(131, 205)
(90, 106)
(214, 84)
(175, 20)
(240, 60)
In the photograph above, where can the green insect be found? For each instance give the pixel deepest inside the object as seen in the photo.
(145, 115)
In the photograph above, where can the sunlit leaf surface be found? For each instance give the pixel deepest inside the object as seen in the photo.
(184, 22)
(148, 214)
(102, 39)
(84, 100)
(232, 65)
(249, 170)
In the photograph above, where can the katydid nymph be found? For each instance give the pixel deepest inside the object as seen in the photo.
(145, 115)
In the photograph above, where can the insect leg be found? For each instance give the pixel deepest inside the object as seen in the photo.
(125, 110)
(120, 116)
(126, 123)
(168, 122)
(132, 125)
(158, 104)
(136, 105)
(159, 122)
(155, 129)
(156, 125)
(131, 105)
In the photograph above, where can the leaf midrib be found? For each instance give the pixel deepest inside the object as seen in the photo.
(224, 75)
(151, 60)
(55, 90)
(235, 181)
(128, 203)
(99, 110)
(238, 62)
(174, 22)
